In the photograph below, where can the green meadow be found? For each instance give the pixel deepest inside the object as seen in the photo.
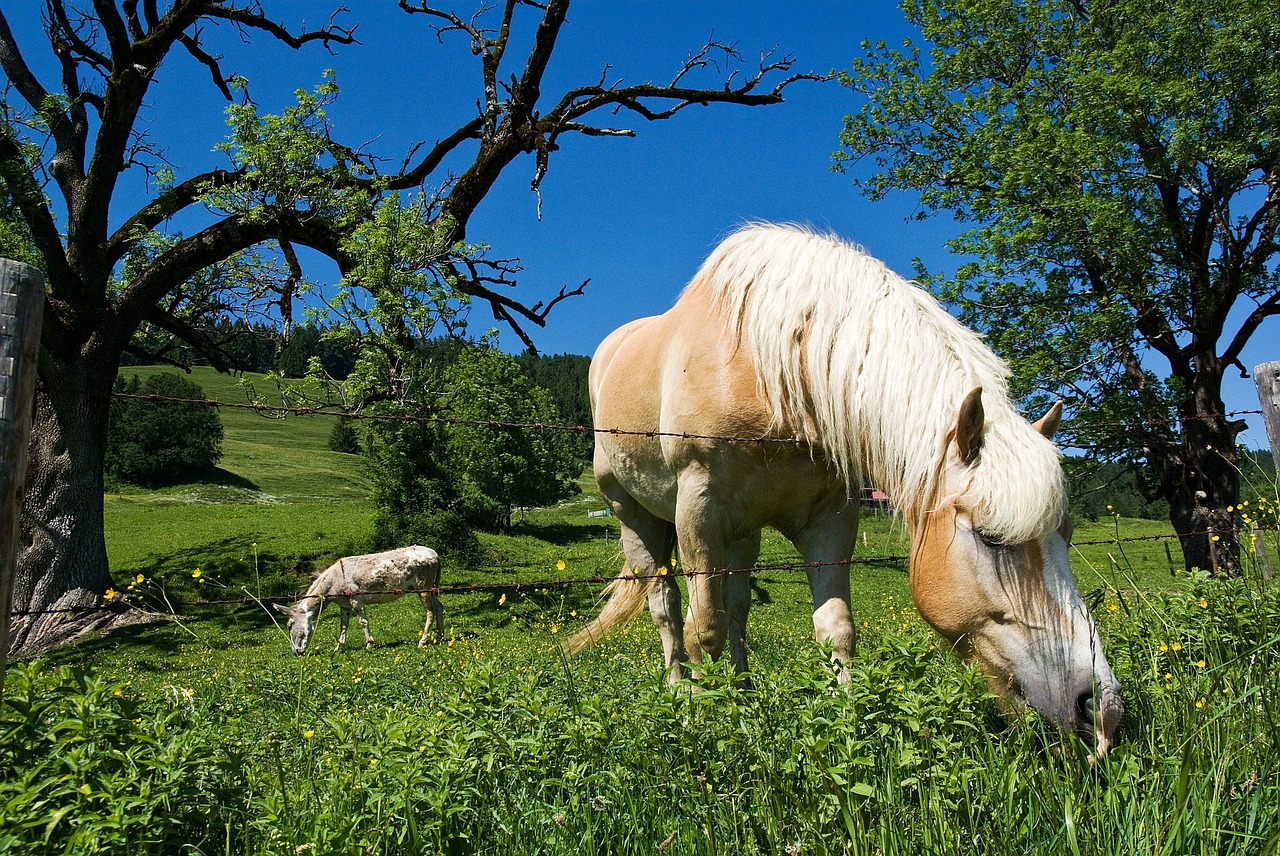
(197, 731)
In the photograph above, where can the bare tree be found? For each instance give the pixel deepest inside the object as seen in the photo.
(65, 146)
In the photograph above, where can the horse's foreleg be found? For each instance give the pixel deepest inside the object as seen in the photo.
(827, 545)
(364, 623)
(434, 618)
(344, 616)
(737, 600)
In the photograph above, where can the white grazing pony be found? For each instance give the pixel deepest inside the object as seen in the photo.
(373, 578)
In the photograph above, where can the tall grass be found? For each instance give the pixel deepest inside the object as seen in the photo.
(201, 733)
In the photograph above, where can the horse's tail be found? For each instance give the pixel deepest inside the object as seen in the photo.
(628, 596)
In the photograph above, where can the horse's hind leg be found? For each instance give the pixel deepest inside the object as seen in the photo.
(647, 546)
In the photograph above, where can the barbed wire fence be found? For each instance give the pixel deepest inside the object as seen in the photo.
(125, 601)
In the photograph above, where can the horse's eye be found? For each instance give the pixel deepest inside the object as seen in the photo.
(991, 540)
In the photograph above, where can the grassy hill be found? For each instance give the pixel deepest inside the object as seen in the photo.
(278, 486)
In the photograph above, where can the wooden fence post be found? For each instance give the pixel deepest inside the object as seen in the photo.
(1266, 376)
(21, 311)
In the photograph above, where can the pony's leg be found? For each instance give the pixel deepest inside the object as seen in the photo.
(826, 543)
(737, 599)
(364, 623)
(344, 616)
(435, 618)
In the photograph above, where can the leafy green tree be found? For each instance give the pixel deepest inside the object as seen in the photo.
(511, 467)
(72, 137)
(1119, 167)
(153, 442)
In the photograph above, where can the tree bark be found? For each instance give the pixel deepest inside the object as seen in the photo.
(1203, 484)
(62, 570)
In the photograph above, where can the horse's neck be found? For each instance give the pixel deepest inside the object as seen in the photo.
(328, 583)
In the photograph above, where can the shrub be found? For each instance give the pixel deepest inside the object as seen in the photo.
(151, 442)
(343, 438)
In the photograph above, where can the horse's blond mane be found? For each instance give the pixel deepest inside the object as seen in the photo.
(870, 369)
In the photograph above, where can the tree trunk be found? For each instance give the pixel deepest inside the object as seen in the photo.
(1203, 485)
(62, 570)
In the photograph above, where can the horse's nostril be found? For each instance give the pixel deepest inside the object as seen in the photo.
(1086, 706)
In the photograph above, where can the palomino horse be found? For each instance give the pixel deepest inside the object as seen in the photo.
(787, 334)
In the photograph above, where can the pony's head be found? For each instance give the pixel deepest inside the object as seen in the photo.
(302, 620)
(1001, 591)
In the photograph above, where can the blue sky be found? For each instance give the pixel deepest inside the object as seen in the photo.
(636, 216)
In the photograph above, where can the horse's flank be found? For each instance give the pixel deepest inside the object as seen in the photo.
(844, 389)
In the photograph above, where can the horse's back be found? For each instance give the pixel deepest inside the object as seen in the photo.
(676, 386)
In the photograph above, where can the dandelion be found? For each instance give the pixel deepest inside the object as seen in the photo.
(560, 564)
(309, 733)
(1199, 664)
(1177, 646)
(1164, 649)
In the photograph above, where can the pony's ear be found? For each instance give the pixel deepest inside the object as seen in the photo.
(969, 426)
(280, 607)
(1048, 424)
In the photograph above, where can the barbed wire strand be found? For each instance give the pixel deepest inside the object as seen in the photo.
(125, 600)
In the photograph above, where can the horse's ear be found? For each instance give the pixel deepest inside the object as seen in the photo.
(280, 607)
(1048, 424)
(969, 426)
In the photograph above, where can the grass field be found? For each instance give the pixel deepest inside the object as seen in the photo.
(200, 732)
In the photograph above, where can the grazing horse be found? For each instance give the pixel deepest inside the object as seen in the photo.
(846, 373)
(373, 578)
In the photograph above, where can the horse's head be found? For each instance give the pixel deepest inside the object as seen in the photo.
(1011, 605)
(302, 620)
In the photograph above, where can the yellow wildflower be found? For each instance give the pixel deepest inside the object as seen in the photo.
(108, 594)
(1199, 664)
(1164, 649)
(1177, 646)
(502, 599)
(1204, 603)
(1199, 704)
(560, 565)
(195, 575)
(308, 734)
